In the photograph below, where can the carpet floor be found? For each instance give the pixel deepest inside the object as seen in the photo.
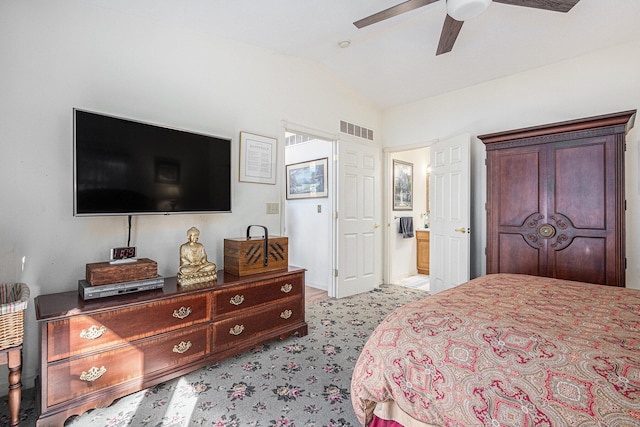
(299, 381)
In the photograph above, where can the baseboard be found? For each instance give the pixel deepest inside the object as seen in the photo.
(322, 287)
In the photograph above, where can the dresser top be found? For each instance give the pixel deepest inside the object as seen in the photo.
(63, 304)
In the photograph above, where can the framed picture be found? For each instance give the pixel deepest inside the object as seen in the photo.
(307, 179)
(402, 186)
(257, 158)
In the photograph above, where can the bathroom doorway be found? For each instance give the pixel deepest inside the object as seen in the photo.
(408, 254)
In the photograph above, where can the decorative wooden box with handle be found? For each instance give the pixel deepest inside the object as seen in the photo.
(252, 255)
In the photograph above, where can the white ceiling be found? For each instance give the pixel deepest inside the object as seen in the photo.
(394, 62)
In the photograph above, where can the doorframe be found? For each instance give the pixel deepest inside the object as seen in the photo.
(333, 139)
(387, 189)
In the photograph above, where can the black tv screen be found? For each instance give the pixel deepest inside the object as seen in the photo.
(126, 167)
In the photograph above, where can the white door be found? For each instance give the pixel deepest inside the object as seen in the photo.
(359, 236)
(450, 213)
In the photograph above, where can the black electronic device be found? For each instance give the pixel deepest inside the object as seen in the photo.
(128, 167)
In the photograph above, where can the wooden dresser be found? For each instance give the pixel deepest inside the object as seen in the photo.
(556, 200)
(95, 351)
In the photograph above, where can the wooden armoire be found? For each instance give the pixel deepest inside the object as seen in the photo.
(556, 199)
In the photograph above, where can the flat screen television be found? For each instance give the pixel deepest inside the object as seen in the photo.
(127, 167)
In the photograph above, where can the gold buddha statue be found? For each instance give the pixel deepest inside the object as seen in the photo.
(194, 267)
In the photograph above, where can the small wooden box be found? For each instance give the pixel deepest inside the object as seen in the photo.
(103, 273)
(245, 256)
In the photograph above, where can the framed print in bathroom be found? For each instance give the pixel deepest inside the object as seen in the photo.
(402, 186)
(307, 179)
(257, 158)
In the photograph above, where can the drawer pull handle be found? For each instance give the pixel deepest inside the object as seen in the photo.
(237, 300)
(236, 330)
(286, 314)
(182, 312)
(93, 374)
(182, 347)
(93, 332)
(286, 288)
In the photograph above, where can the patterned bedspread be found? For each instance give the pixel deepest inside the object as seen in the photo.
(508, 350)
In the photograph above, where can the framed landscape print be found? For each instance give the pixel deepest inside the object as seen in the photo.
(307, 179)
(402, 186)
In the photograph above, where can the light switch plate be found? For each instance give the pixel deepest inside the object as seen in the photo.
(273, 208)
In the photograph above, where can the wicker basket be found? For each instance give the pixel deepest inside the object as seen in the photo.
(13, 302)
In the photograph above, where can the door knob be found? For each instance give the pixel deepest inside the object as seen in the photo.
(461, 230)
(376, 225)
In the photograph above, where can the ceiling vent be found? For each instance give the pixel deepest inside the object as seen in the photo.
(355, 130)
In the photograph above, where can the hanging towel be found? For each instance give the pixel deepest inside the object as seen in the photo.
(406, 227)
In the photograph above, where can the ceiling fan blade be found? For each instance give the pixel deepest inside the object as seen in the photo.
(553, 5)
(450, 31)
(392, 11)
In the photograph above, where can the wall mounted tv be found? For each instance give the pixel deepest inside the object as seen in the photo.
(126, 167)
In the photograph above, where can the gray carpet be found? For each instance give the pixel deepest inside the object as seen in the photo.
(295, 382)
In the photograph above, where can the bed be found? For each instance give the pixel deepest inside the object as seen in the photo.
(505, 350)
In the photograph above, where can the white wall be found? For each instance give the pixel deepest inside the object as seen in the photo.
(310, 231)
(65, 54)
(599, 83)
(402, 252)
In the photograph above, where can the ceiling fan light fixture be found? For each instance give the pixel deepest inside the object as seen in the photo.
(462, 10)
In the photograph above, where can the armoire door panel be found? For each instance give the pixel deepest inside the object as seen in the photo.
(583, 260)
(517, 256)
(580, 184)
(519, 187)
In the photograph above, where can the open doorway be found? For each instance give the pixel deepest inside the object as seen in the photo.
(309, 210)
(336, 237)
(408, 252)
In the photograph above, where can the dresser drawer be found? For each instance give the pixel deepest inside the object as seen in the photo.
(79, 334)
(244, 326)
(241, 298)
(74, 378)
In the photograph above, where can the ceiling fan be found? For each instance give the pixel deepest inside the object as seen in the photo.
(459, 11)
